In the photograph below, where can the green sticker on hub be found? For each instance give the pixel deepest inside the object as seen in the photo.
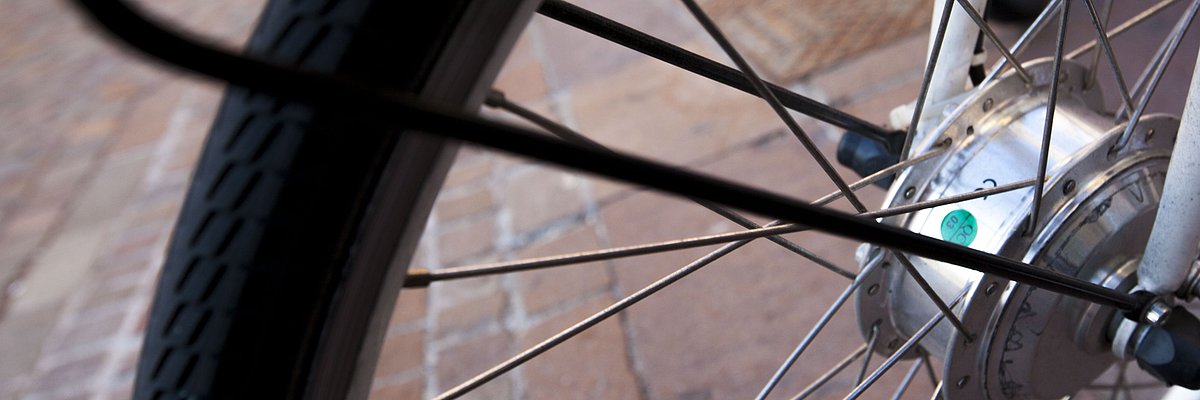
(959, 227)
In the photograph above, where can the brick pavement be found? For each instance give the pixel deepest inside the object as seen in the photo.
(97, 149)
(672, 345)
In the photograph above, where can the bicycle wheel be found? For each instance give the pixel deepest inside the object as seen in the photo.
(265, 306)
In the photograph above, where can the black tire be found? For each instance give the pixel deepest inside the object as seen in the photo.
(279, 260)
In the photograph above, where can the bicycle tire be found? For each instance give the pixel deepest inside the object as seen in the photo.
(278, 260)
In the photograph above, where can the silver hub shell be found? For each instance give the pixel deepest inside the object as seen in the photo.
(1096, 214)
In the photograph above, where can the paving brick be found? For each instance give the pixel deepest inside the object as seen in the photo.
(848, 80)
(74, 373)
(463, 204)
(543, 289)
(468, 239)
(53, 196)
(578, 57)
(523, 76)
(118, 394)
(540, 196)
(149, 117)
(109, 192)
(453, 293)
(471, 313)
(462, 361)
(65, 172)
(401, 353)
(592, 365)
(786, 44)
(654, 115)
(410, 306)
(31, 222)
(23, 334)
(98, 328)
(11, 266)
(876, 107)
(469, 167)
(59, 269)
(409, 389)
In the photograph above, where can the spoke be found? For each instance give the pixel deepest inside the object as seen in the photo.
(581, 326)
(1145, 75)
(937, 391)
(828, 375)
(957, 198)
(934, 52)
(881, 174)
(600, 26)
(763, 91)
(908, 345)
(1023, 42)
(812, 333)
(991, 35)
(933, 380)
(1129, 23)
(1174, 39)
(1094, 66)
(919, 108)
(419, 277)
(1120, 384)
(908, 378)
(874, 339)
(1051, 107)
(497, 99)
(933, 296)
(1108, 52)
(422, 277)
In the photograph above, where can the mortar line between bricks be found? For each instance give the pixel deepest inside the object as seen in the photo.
(433, 259)
(164, 152)
(632, 355)
(512, 316)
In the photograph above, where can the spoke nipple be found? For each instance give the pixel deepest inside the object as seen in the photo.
(417, 278)
(1069, 187)
(495, 98)
(991, 288)
(908, 193)
(962, 382)
(1158, 313)
(1112, 152)
(987, 105)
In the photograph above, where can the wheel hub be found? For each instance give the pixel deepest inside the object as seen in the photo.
(1097, 210)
